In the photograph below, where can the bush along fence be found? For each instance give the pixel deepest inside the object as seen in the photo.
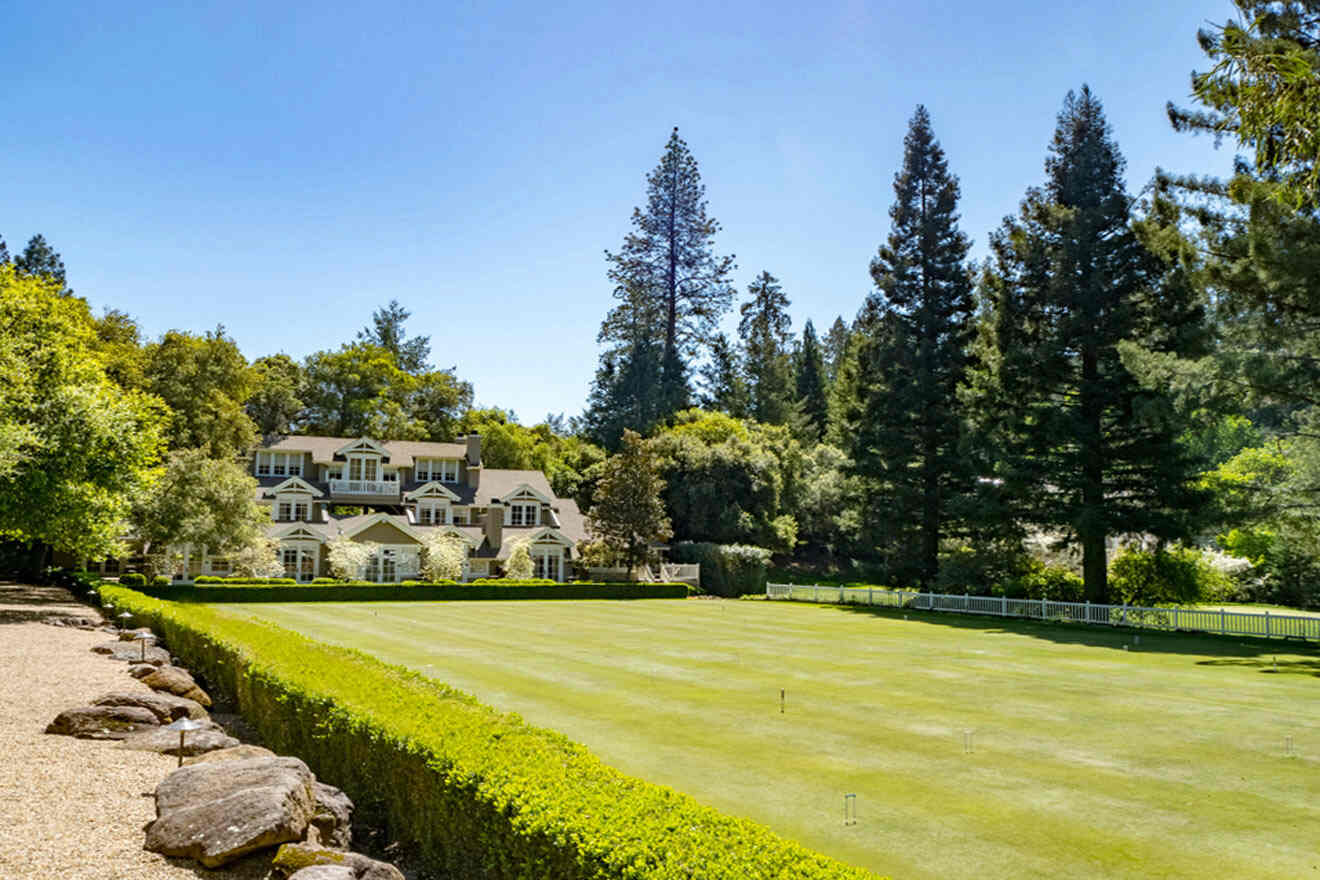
(477, 792)
(1220, 622)
(238, 591)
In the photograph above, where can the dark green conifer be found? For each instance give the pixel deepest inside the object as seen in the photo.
(812, 391)
(1083, 448)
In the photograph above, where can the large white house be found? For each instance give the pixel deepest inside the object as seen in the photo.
(393, 494)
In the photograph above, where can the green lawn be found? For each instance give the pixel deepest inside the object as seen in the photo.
(1090, 761)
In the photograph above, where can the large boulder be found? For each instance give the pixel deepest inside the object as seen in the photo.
(175, 680)
(218, 812)
(131, 652)
(102, 722)
(325, 872)
(294, 858)
(166, 707)
(196, 742)
(333, 821)
(141, 670)
(236, 753)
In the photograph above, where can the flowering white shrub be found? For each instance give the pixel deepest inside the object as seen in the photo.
(443, 556)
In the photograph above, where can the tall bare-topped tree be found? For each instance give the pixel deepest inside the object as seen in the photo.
(669, 256)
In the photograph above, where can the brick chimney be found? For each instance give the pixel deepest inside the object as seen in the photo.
(495, 525)
(473, 450)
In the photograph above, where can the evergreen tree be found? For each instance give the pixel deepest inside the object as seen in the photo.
(764, 328)
(626, 391)
(668, 259)
(811, 384)
(1083, 447)
(4, 252)
(836, 345)
(387, 331)
(725, 389)
(913, 369)
(39, 260)
(628, 515)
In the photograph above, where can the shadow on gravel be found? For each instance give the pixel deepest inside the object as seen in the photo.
(26, 603)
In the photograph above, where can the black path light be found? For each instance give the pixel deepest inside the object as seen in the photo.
(183, 725)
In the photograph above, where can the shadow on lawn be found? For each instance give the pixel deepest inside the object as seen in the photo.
(1239, 650)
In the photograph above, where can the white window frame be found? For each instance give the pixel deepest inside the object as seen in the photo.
(263, 464)
(283, 511)
(529, 514)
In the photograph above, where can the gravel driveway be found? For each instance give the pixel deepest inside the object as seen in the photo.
(73, 809)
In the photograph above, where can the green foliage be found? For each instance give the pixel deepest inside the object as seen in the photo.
(764, 329)
(726, 569)
(276, 404)
(1045, 582)
(161, 580)
(202, 502)
(1178, 576)
(477, 792)
(133, 579)
(724, 384)
(903, 428)
(361, 389)
(205, 380)
(75, 448)
(1082, 446)
(387, 331)
(628, 516)
(730, 481)
(212, 579)
(812, 386)
(40, 260)
(1264, 91)
(672, 291)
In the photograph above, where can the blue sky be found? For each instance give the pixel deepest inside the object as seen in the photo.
(283, 169)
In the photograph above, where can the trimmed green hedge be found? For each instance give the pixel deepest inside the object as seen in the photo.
(239, 579)
(362, 591)
(479, 793)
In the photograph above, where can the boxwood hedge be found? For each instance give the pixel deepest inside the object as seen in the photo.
(364, 591)
(479, 793)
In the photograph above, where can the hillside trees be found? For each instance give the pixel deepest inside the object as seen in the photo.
(812, 384)
(906, 426)
(40, 260)
(672, 289)
(387, 331)
(75, 448)
(276, 404)
(1083, 447)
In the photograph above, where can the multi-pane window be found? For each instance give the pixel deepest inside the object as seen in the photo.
(285, 513)
(546, 565)
(443, 469)
(279, 464)
(290, 560)
(523, 514)
(460, 516)
(431, 513)
(300, 511)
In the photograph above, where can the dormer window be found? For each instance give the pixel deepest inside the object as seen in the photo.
(432, 513)
(443, 469)
(284, 512)
(523, 514)
(279, 464)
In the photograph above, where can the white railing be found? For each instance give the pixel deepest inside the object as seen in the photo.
(1222, 621)
(363, 487)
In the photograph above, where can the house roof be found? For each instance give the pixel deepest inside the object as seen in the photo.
(401, 452)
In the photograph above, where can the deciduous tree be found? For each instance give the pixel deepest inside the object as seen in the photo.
(205, 380)
(628, 515)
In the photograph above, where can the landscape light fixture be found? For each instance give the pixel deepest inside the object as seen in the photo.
(183, 725)
(144, 638)
(125, 618)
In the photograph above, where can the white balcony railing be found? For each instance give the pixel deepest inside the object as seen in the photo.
(364, 487)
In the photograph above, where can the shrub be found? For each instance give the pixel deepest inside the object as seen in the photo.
(240, 579)
(1180, 575)
(1042, 581)
(133, 579)
(477, 792)
(726, 569)
(161, 580)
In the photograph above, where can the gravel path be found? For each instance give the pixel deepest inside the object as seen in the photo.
(73, 809)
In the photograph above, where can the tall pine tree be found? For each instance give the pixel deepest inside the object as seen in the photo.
(725, 388)
(813, 396)
(626, 392)
(40, 260)
(764, 328)
(912, 360)
(1083, 448)
(669, 259)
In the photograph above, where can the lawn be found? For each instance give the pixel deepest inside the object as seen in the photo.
(1165, 760)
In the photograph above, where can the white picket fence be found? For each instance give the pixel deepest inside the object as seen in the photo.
(1240, 623)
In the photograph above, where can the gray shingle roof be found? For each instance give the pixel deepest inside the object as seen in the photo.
(401, 452)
